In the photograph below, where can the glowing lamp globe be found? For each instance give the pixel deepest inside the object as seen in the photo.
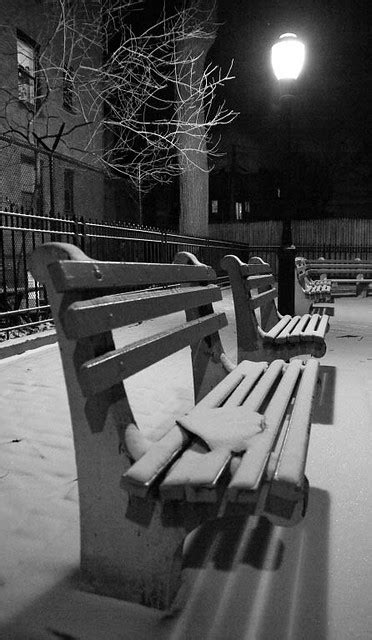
(288, 57)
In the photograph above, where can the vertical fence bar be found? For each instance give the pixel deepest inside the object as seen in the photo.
(82, 234)
(24, 267)
(3, 303)
(14, 264)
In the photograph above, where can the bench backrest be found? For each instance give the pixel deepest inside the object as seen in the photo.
(254, 294)
(335, 267)
(302, 273)
(90, 299)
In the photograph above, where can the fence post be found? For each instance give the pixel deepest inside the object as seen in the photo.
(76, 239)
(82, 234)
(3, 293)
(164, 246)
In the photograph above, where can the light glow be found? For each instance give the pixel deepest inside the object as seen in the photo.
(288, 57)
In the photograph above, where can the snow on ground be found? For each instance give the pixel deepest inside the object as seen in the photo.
(256, 581)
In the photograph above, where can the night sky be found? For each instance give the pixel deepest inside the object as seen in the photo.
(333, 103)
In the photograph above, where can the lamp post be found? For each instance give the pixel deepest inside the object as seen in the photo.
(287, 59)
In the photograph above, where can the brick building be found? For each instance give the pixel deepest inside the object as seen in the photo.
(48, 160)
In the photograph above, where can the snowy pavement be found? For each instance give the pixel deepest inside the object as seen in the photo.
(255, 581)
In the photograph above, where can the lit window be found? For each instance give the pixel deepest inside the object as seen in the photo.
(238, 211)
(26, 71)
(214, 206)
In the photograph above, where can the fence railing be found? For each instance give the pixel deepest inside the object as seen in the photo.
(23, 303)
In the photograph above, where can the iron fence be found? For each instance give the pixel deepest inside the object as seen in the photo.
(23, 302)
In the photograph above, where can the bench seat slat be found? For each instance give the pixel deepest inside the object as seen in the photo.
(69, 275)
(239, 395)
(195, 476)
(246, 371)
(283, 336)
(97, 315)
(289, 471)
(299, 328)
(323, 308)
(316, 328)
(144, 472)
(250, 472)
(270, 336)
(264, 385)
(104, 371)
(322, 327)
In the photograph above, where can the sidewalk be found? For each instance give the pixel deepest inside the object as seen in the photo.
(313, 582)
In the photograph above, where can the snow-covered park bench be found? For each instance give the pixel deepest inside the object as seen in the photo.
(262, 332)
(345, 276)
(313, 296)
(240, 448)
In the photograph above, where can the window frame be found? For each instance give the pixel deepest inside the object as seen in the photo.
(26, 77)
(238, 211)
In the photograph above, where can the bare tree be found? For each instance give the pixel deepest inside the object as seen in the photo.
(136, 100)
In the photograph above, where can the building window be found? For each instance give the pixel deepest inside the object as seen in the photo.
(26, 69)
(238, 211)
(69, 191)
(214, 206)
(68, 95)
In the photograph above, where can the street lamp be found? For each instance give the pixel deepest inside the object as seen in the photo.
(287, 59)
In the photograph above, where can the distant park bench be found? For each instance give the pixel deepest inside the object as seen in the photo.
(262, 333)
(240, 450)
(347, 277)
(313, 296)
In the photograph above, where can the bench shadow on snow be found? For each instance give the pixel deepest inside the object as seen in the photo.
(243, 578)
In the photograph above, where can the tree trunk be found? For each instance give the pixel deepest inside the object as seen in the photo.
(194, 178)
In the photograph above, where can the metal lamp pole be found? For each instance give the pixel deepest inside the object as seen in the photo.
(287, 59)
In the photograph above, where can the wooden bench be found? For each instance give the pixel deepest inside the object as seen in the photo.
(240, 449)
(347, 277)
(267, 335)
(311, 296)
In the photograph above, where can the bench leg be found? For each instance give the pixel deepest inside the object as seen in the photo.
(140, 559)
(295, 512)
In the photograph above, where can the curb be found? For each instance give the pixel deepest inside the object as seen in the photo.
(17, 346)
